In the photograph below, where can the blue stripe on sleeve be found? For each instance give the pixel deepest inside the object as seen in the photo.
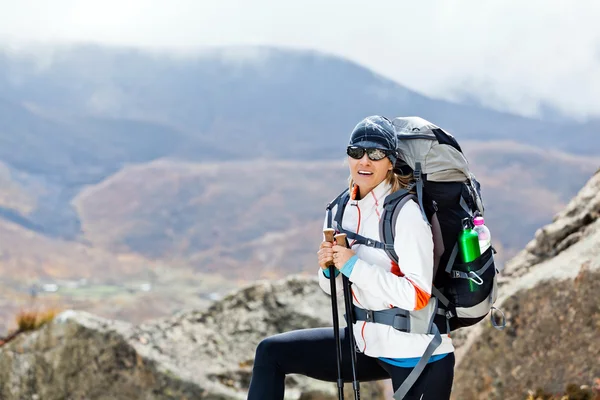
(349, 266)
(326, 273)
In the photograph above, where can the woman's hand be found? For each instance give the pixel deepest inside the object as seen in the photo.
(325, 254)
(341, 255)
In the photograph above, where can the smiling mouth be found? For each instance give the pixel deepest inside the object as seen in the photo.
(365, 173)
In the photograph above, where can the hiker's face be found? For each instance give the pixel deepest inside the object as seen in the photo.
(367, 174)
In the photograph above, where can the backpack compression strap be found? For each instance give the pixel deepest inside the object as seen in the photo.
(418, 369)
(417, 174)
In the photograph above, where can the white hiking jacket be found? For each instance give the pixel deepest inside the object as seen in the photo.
(378, 283)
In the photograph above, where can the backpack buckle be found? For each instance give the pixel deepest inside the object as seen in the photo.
(369, 316)
(475, 278)
(417, 174)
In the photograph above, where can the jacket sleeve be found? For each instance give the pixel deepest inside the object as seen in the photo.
(325, 284)
(413, 243)
(324, 281)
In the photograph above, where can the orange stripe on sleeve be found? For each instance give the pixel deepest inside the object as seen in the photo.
(422, 297)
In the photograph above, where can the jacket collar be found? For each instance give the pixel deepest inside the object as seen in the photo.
(375, 197)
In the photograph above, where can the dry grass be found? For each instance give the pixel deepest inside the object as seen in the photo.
(29, 321)
(32, 320)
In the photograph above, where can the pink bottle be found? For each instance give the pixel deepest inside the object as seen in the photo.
(485, 237)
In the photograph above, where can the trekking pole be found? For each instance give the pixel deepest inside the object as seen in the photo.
(328, 232)
(341, 240)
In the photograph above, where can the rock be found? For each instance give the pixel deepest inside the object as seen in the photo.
(568, 227)
(194, 355)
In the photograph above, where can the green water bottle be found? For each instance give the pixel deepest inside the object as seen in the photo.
(468, 241)
(468, 246)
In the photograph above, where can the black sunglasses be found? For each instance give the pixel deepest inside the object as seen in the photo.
(374, 154)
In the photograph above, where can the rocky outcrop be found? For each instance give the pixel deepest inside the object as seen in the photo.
(569, 227)
(193, 355)
(549, 293)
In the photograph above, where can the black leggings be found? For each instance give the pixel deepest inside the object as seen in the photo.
(312, 352)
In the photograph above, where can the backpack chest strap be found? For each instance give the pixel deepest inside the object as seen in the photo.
(359, 239)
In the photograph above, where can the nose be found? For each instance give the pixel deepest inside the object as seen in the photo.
(365, 160)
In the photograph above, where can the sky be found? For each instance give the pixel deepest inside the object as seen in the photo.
(531, 57)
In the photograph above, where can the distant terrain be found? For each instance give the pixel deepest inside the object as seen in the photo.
(138, 184)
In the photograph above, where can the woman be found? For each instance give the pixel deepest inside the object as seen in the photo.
(378, 283)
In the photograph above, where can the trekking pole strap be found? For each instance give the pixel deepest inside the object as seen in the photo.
(418, 369)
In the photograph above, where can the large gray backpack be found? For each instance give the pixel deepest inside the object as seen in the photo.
(447, 192)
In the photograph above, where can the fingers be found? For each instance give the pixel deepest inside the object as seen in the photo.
(336, 254)
(337, 248)
(341, 255)
(325, 255)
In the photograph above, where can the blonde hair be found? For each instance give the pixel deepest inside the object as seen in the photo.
(397, 181)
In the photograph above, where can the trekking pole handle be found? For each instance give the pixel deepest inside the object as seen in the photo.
(329, 232)
(340, 239)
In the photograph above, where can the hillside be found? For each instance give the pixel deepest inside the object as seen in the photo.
(262, 218)
(280, 103)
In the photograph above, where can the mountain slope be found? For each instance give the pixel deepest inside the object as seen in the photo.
(280, 103)
(263, 217)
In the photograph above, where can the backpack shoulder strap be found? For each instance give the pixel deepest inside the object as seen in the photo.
(341, 200)
(387, 228)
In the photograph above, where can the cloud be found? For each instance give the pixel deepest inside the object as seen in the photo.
(511, 55)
